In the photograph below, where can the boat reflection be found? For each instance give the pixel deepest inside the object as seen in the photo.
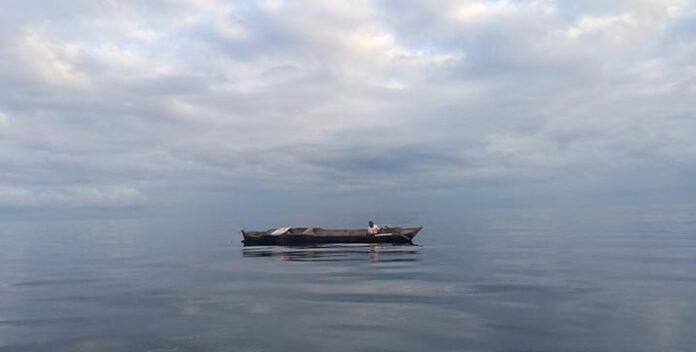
(374, 252)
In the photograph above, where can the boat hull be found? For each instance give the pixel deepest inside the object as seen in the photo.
(309, 236)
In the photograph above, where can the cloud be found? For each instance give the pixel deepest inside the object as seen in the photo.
(82, 196)
(341, 95)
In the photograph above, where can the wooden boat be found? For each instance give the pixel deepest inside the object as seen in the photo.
(313, 235)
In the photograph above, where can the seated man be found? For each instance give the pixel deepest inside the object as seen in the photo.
(373, 229)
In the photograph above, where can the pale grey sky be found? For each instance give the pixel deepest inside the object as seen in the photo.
(113, 103)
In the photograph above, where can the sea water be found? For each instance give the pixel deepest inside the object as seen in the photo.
(495, 280)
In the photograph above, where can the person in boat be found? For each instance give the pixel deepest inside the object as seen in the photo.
(373, 229)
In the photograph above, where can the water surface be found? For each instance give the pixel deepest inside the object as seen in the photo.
(491, 281)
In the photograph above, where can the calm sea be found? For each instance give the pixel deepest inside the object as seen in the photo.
(498, 280)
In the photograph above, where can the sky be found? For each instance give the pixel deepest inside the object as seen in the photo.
(139, 103)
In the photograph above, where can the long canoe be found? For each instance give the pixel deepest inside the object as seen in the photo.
(313, 235)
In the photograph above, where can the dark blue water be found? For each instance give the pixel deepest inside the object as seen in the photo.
(504, 280)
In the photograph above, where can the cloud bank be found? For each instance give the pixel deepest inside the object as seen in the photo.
(102, 102)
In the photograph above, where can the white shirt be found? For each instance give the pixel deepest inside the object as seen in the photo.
(374, 230)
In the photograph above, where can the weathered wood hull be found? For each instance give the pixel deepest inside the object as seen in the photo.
(308, 236)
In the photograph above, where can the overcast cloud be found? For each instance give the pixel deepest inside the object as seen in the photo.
(104, 102)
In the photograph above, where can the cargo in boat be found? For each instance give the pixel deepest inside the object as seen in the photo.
(314, 235)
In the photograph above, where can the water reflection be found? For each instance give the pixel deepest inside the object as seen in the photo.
(373, 252)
